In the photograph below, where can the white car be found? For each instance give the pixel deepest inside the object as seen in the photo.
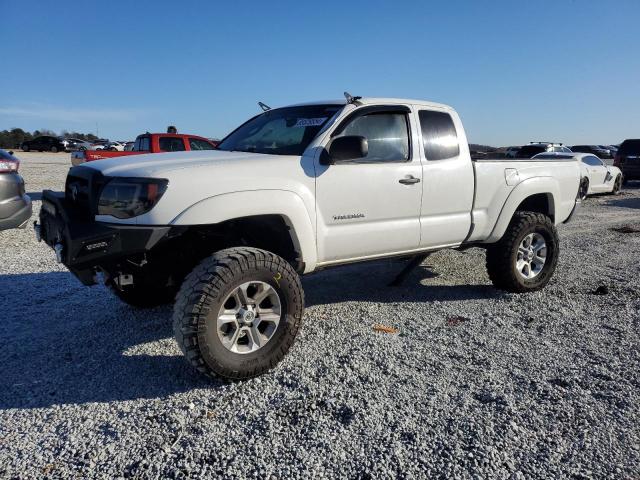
(115, 146)
(292, 191)
(595, 175)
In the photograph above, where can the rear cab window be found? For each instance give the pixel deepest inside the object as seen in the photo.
(171, 144)
(439, 135)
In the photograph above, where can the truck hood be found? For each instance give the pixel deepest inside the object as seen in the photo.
(197, 176)
(161, 164)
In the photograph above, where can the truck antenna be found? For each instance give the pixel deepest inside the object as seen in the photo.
(350, 98)
(264, 106)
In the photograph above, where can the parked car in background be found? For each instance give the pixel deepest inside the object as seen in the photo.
(15, 204)
(99, 144)
(627, 159)
(44, 143)
(74, 144)
(115, 146)
(595, 175)
(597, 150)
(534, 148)
(148, 143)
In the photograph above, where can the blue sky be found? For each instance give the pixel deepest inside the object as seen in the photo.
(563, 70)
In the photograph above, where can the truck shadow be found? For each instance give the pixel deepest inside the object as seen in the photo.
(63, 343)
(370, 283)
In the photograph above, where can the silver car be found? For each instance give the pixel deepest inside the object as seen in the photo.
(15, 204)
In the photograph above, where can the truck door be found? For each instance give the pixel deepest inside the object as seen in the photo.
(448, 179)
(371, 206)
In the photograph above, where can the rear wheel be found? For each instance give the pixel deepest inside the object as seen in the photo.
(25, 148)
(54, 149)
(238, 313)
(526, 257)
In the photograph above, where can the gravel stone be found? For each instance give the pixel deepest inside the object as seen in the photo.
(544, 385)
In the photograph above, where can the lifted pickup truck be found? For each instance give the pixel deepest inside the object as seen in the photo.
(292, 191)
(147, 143)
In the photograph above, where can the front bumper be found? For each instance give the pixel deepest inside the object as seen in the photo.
(82, 245)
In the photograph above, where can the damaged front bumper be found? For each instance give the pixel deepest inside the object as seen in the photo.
(83, 246)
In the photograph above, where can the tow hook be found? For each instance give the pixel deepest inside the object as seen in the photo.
(36, 229)
(58, 248)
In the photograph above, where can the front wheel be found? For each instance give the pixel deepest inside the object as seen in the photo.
(526, 257)
(54, 149)
(25, 148)
(238, 313)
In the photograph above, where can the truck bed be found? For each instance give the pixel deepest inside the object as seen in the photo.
(497, 179)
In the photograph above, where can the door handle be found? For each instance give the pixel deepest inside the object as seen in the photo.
(409, 180)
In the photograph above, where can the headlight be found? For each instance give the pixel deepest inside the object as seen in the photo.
(130, 197)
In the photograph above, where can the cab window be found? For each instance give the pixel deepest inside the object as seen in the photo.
(387, 135)
(199, 144)
(439, 137)
(141, 144)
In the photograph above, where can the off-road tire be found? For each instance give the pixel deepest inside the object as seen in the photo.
(501, 256)
(200, 298)
(25, 148)
(144, 296)
(54, 149)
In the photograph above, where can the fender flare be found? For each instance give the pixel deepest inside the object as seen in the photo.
(532, 186)
(250, 203)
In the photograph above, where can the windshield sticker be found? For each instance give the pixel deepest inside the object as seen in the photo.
(310, 122)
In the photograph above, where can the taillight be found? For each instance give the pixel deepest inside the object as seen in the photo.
(8, 166)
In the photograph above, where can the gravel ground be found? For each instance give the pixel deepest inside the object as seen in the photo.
(476, 383)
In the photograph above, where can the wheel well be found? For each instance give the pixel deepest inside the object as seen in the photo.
(540, 203)
(268, 232)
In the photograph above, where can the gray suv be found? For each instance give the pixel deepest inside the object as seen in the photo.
(15, 204)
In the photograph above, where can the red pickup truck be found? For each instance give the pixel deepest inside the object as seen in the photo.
(149, 143)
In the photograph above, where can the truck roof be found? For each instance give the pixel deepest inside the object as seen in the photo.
(375, 101)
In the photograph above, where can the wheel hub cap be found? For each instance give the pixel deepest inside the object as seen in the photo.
(531, 256)
(249, 317)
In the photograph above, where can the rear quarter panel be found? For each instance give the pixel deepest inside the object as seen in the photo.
(501, 186)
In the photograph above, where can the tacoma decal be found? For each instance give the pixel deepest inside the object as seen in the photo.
(349, 216)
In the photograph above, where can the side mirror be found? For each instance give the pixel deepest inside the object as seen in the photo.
(10, 152)
(347, 148)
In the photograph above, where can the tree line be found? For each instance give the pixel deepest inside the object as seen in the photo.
(13, 138)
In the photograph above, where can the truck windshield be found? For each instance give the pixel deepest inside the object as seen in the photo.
(283, 131)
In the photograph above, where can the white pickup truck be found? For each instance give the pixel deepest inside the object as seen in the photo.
(294, 190)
